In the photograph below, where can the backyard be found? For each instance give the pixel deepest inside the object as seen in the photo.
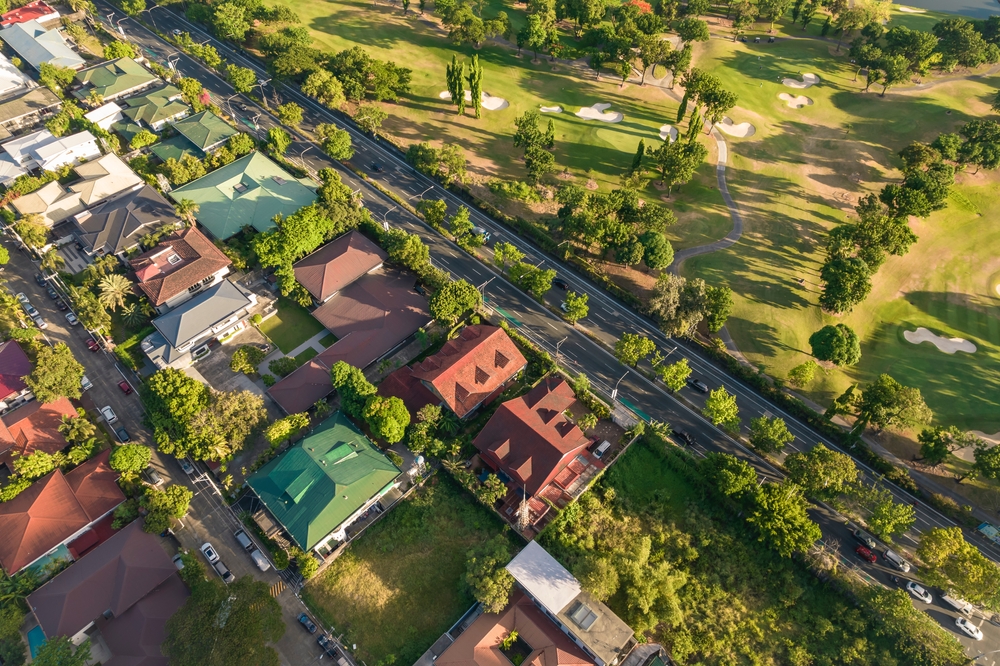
(291, 326)
(399, 586)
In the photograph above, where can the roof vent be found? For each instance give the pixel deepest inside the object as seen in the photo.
(240, 187)
(173, 259)
(279, 180)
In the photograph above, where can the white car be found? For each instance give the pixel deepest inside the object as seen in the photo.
(208, 550)
(40, 323)
(21, 297)
(919, 592)
(971, 630)
(71, 318)
(108, 414)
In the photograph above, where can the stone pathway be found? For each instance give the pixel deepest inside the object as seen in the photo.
(276, 354)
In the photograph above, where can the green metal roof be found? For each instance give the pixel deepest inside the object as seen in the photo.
(156, 106)
(251, 190)
(320, 482)
(205, 130)
(175, 147)
(112, 78)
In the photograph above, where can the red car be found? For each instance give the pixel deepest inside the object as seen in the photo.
(865, 554)
(92, 345)
(124, 386)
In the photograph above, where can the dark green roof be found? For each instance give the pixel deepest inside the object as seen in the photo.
(175, 147)
(323, 480)
(126, 129)
(205, 130)
(155, 106)
(112, 78)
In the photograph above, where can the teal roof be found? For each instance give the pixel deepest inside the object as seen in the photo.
(205, 130)
(251, 190)
(323, 480)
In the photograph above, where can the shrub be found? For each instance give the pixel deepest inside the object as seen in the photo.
(515, 190)
(269, 380)
(283, 366)
(395, 458)
(280, 559)
(246, 359)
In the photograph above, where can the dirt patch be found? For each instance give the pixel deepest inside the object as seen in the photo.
(631, 279)
(591, 184)
(564, 175)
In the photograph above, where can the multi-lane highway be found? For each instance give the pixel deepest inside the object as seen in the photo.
(607, 319)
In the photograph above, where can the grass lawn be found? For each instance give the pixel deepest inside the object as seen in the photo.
(399, 586)
(306, 355)
(292, 326)
(327, 340)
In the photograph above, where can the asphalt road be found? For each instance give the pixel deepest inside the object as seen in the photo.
(607, 319)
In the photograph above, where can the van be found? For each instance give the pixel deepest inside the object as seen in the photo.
(961, 605)
(602, 449)
(244, 540)
(261, 561)
(895, 560)
(221, 569)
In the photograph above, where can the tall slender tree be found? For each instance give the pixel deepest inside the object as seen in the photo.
(455, 76)
(476, 85)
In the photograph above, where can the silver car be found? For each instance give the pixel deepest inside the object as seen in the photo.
(969, 629)
(919, 592)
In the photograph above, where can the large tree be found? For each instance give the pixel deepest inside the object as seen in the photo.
(952, 563)
(488, 580)
(937, 443)
(769, 434)
(847, 283)
(56, 374)
(822, 472)
(60, 651)
(729, 475)
(453, 300)
(172, 400)
(633, 347)
(838, 344)
(885, 403)
(130, 459)
(781, 518)
(243, 79)
(721, 409)
(223, 428)
(387, 417)
(353, 387)
(163, 505)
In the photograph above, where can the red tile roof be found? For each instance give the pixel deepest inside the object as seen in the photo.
(14, 365)
(162, 280)
(530, 439)
(33, 11)
(95, 485)
(471, 367)
(35, 427)
(403, 385)
(337, 264)
(135, 637)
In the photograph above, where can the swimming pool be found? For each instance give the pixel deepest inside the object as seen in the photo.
(36, 639)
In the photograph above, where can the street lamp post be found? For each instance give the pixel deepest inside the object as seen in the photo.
(482, 287)
(614, 392)
(421, 195)
(559, 344)
(262, 84)
(385, 218)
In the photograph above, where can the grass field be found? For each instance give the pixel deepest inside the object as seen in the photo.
(292, 326)
(399, 586)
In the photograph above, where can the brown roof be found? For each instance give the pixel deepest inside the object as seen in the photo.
(337, 264)
(471, 367)
(403, 385)
(14, 365)
(95, 485)
(112, 577)
(370, 317)
(35, 427)
(531, 440)
(135, 637)
(479, 645)
(162, 280)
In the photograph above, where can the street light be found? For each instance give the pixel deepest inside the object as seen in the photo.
(262, 83)
(558, 344)
(482, 288)
(172, 64)
(421, 195)
(614, 391)
(302, 156)
(385, 218)
(230, 104)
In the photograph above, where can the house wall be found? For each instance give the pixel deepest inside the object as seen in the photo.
(340, 533)
(188, 295)
(160, 124)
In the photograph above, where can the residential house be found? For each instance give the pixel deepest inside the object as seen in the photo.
(183, 334)
(180, 266)
(37, 10)
(156, 108)
(54, 511)
(590, 624)
(249, 191)
(469, 371)
(371, 318)
(98, 181)
(33, 427)
(320, 486)
(36, 45)
(113, 79)
(14, 366)
(205, 131)
(43, 150)
(105, 115)
(124, 590)
(116, 226)
(537, 452)
(25, 109)
(337, 264)
(12, 79)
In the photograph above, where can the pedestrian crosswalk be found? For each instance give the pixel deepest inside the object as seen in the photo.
(277, 588)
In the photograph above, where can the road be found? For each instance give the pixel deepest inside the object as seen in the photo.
(607, 319)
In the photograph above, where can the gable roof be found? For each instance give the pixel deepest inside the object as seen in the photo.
(112, 577)
(102, 178)
(52, 201)
(53, 509)
(205, 130)
(112, 78)
(403, 385)
(162, 277)
(14, 365)
(337, 264)
(35, 427)
(135, 637)
(35, 100)
(249, 191)
(11, 78)
(37, 10)
(117, 225)
(155, 106)
(471, 367)
(192, 318)
(36, 45)
(105, 115)
(320, 482)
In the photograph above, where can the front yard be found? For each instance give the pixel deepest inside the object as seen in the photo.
(291, 326)
(397, 588)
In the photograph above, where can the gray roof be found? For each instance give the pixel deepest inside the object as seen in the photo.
(37, 45)
(35, 100)
(189, 320)
(117, 225)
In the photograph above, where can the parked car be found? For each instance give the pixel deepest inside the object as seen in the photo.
(30, 309)
(971, 630)
(61, 305)
(307, 623)
(261, 561)
(92, 345)
(919, 592)
(561, 284)
(152, 476)
(698, 385)
(122, 435)
(602, 449)
(40, 279)
(683, 436)
(221, 569)
(125, 387)
(865, 554)
(53, 294)
(864, 538)
(21, 297)
(329, 647)
(71, 318)
(86, 384)
(244, 540)
(186, 466)
(40, 322)
(108, 414)
(178, 562)
(208, 550)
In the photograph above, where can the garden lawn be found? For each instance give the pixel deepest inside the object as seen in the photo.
(399, 586)
(292, 326)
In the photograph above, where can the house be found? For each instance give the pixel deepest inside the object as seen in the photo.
(125, 590)
(33, 427)
(43, 150)
(55, 510)
(14, 366)
(320, 486)
(156, 108)
(113, 79)
(249, 191)
(469, 371)
(116, 226)
(105, 115)
(37, 10)
(590, 624)
(540, 454)
(98, 181)
(25, 109)
(36, 45)
(181, 265)
(182, 334)
(371, 318)
(11, 78)
(337, 264)
(205, 131)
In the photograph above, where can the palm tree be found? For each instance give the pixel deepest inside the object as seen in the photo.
(186, 210)
(133, 316)
(76, 429)
(114, 290)
(52, 260)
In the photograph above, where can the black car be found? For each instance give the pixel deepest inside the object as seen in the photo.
(307, 623)
(40, 279)
(698, 385)
(123, 437)
(684, 437)
(328, 645)
(562, 284)
(53, 294)
(244, 107)
(377, 168)
(62, 305)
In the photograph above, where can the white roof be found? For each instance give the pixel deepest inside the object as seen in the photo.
(9, 169)
(18, 146)
(102, 113)
(544, 579)
(11, 78)
(52, 149)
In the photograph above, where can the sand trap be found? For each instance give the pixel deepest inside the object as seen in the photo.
(742, 131)
(998, 289)
(600, 112)
(550, 109)
(947, 345)
(968, 454)
(795, 101)
(911, 10)
(808, 81)
(490, 103)
(668, 131)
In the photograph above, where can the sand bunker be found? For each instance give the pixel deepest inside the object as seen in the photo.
(808, 80)
(668, 131)
(968, 453)
(600, 112)
(911, 10)
(795, 101)
(998, 289)
(490, 103)
(550, 109)
(742, 130)
(947, 345)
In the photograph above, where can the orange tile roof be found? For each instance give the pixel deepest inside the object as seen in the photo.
(35, 427)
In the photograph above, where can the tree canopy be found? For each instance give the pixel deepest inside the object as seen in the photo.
(838, 344)
(56, 374)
